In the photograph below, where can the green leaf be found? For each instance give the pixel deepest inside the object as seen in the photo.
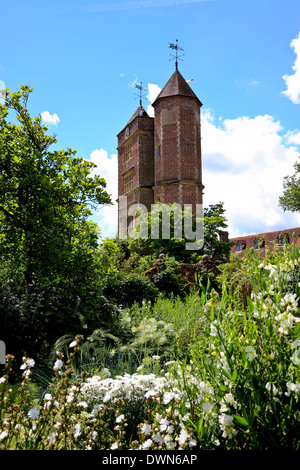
(241, 420)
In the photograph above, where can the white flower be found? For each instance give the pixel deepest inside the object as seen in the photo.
(158, 438)
(3, 435)
(250, 353)
(147, 444)
(27, 363)
(163, 424)
(183, 436)
(271, 387)
(114, 446)
(226, 425)
(77, 430)
(213, 330)
(168, 396)
(146, 429)
(58, 364)
(73, 344)
(33, 413)
(83, 404)
(2, 380)
(48, 396)
(120, 418)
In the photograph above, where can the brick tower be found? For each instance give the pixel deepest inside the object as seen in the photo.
(177, 144)
(159, 159)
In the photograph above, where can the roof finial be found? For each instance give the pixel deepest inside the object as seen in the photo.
(176, 56)
(139, 87)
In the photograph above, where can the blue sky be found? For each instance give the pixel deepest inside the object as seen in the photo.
(82, 59)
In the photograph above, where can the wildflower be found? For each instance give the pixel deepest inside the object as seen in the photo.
(291, 387)
(183, 436)
(290, 302)
(271, 388)
(192, 443)
(146, 444)
(27, 363)
(120, 418)
(3, 435)
(213, 330)
(150, 393)
(168, 396)
(33, 413)
(163, 424)
(83, 404)
(146, 429)
(48, 396)
(158, 438)
(73, 344)
(226, 425)
(2, 380)
(77, 430)
(250, 353)
(114, 446)
(58, 364)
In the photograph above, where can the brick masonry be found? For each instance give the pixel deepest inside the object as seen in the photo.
(165, 151)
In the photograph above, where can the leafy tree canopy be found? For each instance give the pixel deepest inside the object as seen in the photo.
(49, 264)
(290, 200)
(213, 220)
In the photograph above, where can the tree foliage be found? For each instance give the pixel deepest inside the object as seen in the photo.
(290, 200)
(214, 223)
(48, 246)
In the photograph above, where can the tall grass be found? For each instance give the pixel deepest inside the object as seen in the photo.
(214, 370)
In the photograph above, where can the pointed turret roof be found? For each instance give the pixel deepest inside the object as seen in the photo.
(139, 112)
(176, 86)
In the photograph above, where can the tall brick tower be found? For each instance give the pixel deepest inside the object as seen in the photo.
(136, 161)
(159, 159)
(177, 144)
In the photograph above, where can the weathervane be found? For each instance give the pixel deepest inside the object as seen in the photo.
(139, 87)
(176, 56)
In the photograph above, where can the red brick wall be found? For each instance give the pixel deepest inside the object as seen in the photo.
(268, 238)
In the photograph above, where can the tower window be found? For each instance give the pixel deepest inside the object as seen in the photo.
(238, 246)
(128, 153)
(128, 182)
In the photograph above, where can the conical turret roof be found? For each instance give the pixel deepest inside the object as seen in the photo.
(139, 112)
(176, 86)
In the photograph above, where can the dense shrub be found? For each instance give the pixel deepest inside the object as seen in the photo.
(128, 288)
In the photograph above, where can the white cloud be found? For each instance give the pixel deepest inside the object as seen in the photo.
(293, 81)
(107, 168)
(293, 137)
(244, 161)
(153, 92)
(50, 119)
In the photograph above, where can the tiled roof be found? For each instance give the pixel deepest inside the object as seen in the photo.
(176, 86)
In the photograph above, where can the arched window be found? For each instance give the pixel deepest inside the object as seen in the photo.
(281, 240)
(238, 246)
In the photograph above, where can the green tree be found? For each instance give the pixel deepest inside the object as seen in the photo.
(290, 200)
(214, 223)
(48, 245)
